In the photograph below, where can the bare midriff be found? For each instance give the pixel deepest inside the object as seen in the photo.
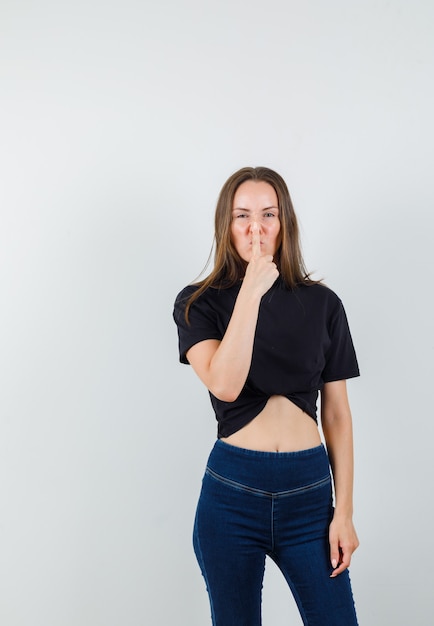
(280, 427)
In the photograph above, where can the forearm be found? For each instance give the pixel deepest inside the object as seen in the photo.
(337, 427)
(230, 364)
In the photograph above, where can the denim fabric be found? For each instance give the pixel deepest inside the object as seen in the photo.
(253, 504)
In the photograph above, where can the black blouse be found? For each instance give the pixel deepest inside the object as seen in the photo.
(302, 341)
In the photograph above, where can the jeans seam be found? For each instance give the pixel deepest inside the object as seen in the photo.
(260, 492)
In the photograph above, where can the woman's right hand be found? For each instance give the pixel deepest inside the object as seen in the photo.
(261, 270)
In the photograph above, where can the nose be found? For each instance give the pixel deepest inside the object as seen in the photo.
(255, 227)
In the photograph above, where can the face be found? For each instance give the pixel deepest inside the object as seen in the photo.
(255, 202)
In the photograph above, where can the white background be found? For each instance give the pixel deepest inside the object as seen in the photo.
(119, 123)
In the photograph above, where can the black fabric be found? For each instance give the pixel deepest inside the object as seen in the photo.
(302, 341)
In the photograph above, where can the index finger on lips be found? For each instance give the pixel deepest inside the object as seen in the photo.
(256, 241)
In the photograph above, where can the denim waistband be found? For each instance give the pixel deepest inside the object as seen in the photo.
(262, 454)
(269, 471)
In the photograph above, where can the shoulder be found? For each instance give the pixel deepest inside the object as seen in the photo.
(211, 295)
(207, 304)
(181, 302)
(319, 293)
(185, 294)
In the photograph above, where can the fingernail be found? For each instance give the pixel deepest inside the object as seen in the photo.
(334, 563)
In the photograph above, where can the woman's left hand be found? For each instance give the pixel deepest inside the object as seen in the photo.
(343, 542)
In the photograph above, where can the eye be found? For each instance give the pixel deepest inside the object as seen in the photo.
(240, 215)
(269, 214)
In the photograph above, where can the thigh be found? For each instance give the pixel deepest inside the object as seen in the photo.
(322, 601)
(302, 553)
(230, 540)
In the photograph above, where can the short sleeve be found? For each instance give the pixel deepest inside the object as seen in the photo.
(202, 322)
(341, 360)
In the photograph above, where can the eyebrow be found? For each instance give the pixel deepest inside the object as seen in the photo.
(268, 208)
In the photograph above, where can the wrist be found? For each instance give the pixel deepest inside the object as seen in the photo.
(343, 512)
(250, 294)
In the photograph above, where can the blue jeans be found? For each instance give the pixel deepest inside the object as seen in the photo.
(253, 504)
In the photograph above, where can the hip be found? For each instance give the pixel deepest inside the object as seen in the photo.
(272, 473)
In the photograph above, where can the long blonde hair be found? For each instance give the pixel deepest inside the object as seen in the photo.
(229, 267)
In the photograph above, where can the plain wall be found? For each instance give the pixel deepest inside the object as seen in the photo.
(119, 123)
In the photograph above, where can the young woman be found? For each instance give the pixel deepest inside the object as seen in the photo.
(265, 339)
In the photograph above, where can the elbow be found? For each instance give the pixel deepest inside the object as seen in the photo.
(225, 394)
(336, 419)
(337, 426)
(225, 386)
